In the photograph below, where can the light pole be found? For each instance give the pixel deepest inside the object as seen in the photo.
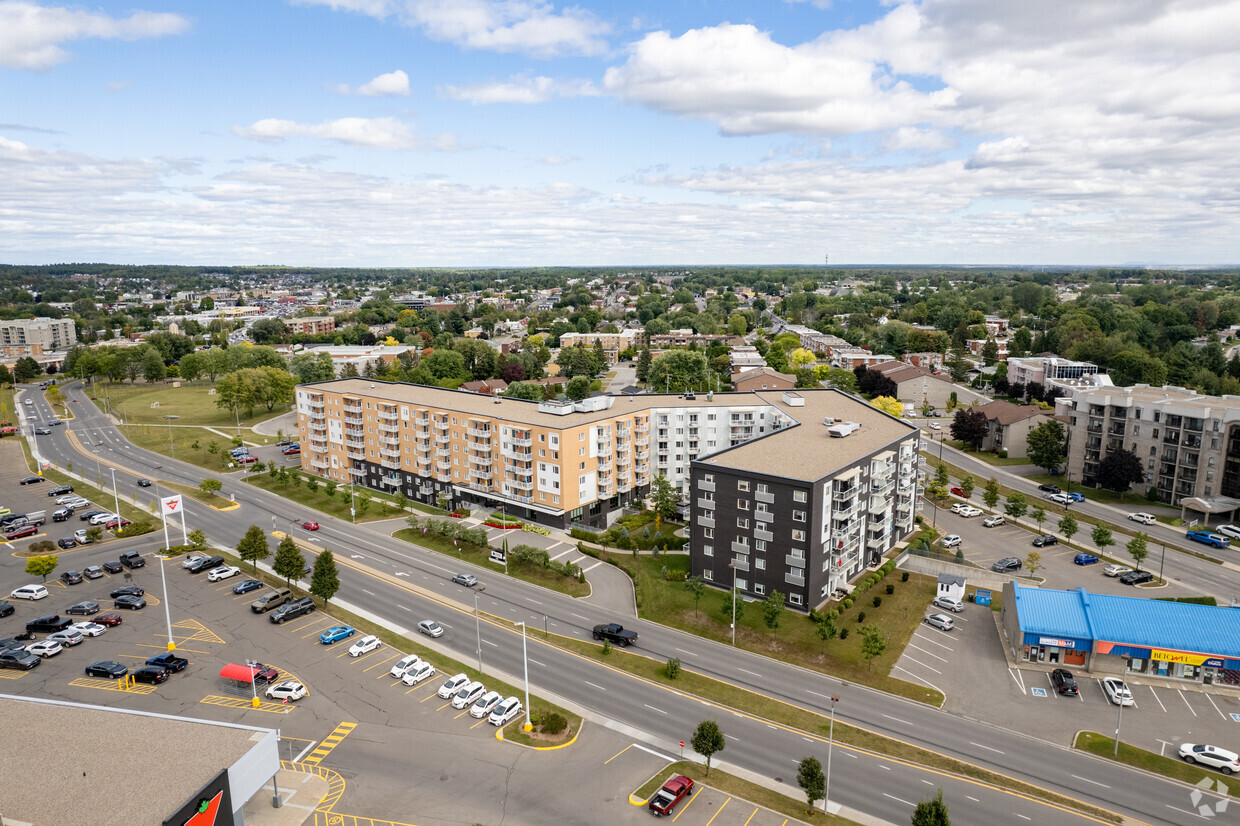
(163, 577)
(732, 565)
(826, 799)
(116, 499)
(1120, 718)
(352, 510)
(1162, 561)
(478, 625)
(526, 660)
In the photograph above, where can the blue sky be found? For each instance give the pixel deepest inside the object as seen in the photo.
(516, 132)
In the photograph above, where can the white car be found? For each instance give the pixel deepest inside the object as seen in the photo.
(485, 704)
(1228, 762)
(288, 690)
(940, 621)
(959, 506)
(505, 711)
(1230, 531)
(101, 518)
(1116, 570)
(421, 671)
(45, 649)
(365, 645)
(192, 560)
(992, 521)
(68, 637)
(64, 500)
(222, 572)
(76, 502)
(430, 628)
(968, 511)
(951, 541)
(453, 685)
(1143, 518)
(89, 629)
(29, 592)
(404, 664)
(468, 694)
(1117, 691)
(935, 426)
(1060, 499)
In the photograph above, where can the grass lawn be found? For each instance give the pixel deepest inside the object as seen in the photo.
(336, 505)
(543, 577)
(189, 444)
(1131, 499)
(988, 457)
(1102, 746)
(759, 795)
(212, 499)
(192, 402)
(669, 603)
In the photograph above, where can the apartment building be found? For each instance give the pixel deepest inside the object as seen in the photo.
(807, 509)
(49, 333)
(613, 343)
(850, 358)
(310, 325)
(1189, 444)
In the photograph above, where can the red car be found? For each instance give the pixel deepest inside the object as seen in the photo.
(24, 530)
(959, 492)
(673, 791)
(117, 523)
(110, 619)
(310, 526)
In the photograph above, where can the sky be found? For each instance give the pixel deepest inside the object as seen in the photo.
(451, 133)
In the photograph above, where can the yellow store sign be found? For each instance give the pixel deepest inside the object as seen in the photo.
(1177, 657)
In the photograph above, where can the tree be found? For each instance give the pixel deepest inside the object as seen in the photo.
(1138, 548)
(643, 364)
(1033, 562)
(967, 484)
(325, 581)
(940, 475)
(970, 426)
(269, 331)
(990, 494)
(733, 607)
(210, 486)
(663, 497)
(525, 390)
(253, 546)
(42, 565)
(1119, 469)
(695, 586)
(708, 740)
(873, 644)
(289, 563)
(1068, 527)
(990, 352)
(827, 627)
(1047, 445)
(1102, 537)
(679, 370)
(578, 387)
(26, 369)
(890, 406)
(932, 812)
(1016, 505)
(1038, 514)
(153, 369)
(811, 780)
(773, 612)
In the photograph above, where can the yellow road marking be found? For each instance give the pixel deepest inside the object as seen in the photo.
(751, 817)
(688, 803)
(5, 675)
(462, 714)
(111, 685)
(376, 665)
(244, 703)
(475, 725)
(617, 754)
(200, 632)
(445, 705)
(712, 820)
(329, 743)
(165, 647)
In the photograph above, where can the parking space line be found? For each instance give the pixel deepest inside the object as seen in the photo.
(475, 725)
(688, 803)
(719, 811)
(617, 754)
(319, 620)
(329, 743)
(442, 707)
(415, 688)
(388, 660)
(928, 653)
(751, 817)
(1155, 693)
(462, 714)
(318, 624)
(1216, 708)
(1185, 699)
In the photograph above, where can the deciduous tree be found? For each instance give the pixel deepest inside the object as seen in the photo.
(811, 780)
(325, 580)
(1047, 445)
(253, 546)
(708, 740)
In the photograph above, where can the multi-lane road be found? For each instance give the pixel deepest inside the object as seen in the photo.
(402, 584)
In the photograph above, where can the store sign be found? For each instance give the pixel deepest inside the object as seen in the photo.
(1054, 643)
(1180, 657)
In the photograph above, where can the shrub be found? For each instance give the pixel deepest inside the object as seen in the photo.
(137, 529)
(673, 668)
(861, 616)
(553, 723)
(878, 601)
(891, 589)
(606, 647)
(847, 603)
(843, 633)
(904, 577)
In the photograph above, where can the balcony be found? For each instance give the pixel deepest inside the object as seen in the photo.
(704, 485)
(758, 533)
(316, 418)
(844, 494)
(318, 448)
(764, 516)
(389, 429)
(480, 447)
(794, 561)
(353, 420)
(476, 473)
(352, 408)
(318, 464)
(392, 464)
(389, 440)
(706, 522)
(517, 455)
(883, 488)
(357, 471)
(388, 416)
(479, 432)
(522, 441)
(793, 579)
(443, 467)
(315, 404)
(422, 421)
(740, 563)
(876, 544)
(740, 547)
(878, 505)
(442, 427)
(520, 484)
(769, 498)
(356, 454)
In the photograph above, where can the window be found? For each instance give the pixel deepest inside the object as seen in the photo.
(581, 437)
(707, 573)
(798, 535)
(708, 550)
(798, 516)
(759, 544)
(742, 523)
(542, 453)
(743, 485)
(759, 564)
(759, 588)
(795, 599)
(763, 488)
(742, 504)
(799, 496)
(709, 478)
(708, 533)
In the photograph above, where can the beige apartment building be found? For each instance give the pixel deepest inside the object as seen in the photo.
(48, 333)
(310, 325)
(613, 343)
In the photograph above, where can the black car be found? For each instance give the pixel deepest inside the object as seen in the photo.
(83, 609)
(107, 669)
(1044, 540)
(9, 644)
(132, 559)
(65, 543)
(169, 661)
(62, 515)
(1064, 682)
(284, 443)
(31, 480)
(206, 564)
(50, 623)
(112, 567)
(247, 585)
(6, 608)
(1136, 577)
(84, 515)
(1049, 488)
(152, 674)
(127, 591)
(144, 483)
(131, 602)
(1006, 565)
(18, 659)
(60, 490)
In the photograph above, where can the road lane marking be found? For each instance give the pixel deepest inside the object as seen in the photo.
(652, 708)
(751, 673)
(898, 720)
(536, 662)
(595, 685)
(1095, 782)
(988, 748)
(897, 799)
(694, 654)
(492, 644)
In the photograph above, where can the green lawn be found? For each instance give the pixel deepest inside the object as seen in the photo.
(542, 577)
(188, 444)
(1102, 746)
(987, 457)
(191, 402)
(337, 505)
(759, 795)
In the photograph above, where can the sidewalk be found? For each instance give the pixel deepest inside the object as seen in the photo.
(300, 795)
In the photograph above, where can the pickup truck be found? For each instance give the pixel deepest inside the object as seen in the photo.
(132, 559)
(1207, 538)
(270, 599)
(615, 634)
(35, 518)
(289, 610)
(673, 791)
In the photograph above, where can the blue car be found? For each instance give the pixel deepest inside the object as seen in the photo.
(1076, 497)
(336, 634)
(1084, 559)
(1207, 538)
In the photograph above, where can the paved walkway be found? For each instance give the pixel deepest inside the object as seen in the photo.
(286, 422)
(300, 795)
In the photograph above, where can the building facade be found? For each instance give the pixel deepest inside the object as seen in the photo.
(49, 333)
(1047, 370)
(613, 343)
(310, 325)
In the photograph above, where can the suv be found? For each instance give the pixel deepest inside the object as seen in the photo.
(270, 600)
(673, 791)
(289, 610)
(132, 559)
(992, 521)
(615, 634)
(1064, 682)
(1006, 565)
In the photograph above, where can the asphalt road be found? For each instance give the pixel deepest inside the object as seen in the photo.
(664, 715)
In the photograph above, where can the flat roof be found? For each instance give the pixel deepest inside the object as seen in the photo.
(71, 764)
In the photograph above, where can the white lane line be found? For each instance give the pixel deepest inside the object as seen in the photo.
(1022, 817)
(592, 567)
(1184, 811)
(1095, 782)
(536, 662)
(492, 644)
(923, 665)
(988, 748)
(816, 694)
(652, 708)
(898, 720)
(974, 799)
(897, 799)
(579, 616)
(1185, 699)
(750, 673)
(305, 751)
(563, 553)
(807, 740)
(1160, 702)
(536, 602)
(655, 753)
(1019, 680)
(690, 653)
(1216, 708)
(595, 685)
(368, 593)
(402, 607)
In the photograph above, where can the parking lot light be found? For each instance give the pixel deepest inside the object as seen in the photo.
(526, 660)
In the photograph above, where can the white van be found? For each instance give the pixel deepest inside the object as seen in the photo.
(30, 592)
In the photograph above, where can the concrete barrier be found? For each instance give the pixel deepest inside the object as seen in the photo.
(975, 576)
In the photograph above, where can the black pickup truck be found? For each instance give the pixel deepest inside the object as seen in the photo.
(615, 634)
(289, 610)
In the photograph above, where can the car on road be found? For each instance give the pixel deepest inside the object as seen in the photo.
(468, 694)
(288, 691)
(310, 526)
(169, 661)
(365, 645)
(1044, 541)
(1007, 565)
(1142, 517)
(959, 492)
(152, 674)
(110, 619)
(106, 670)
(1116, 570)
(92, 572)
(505, 711)
(1048, 488)
(485, 704)
(1207, 538)
(948, 604)
(935, 426)
(1229, 531)
(468, 580)
(1060, 499)
(88, 629)
(452, 685)
(84, 608)
(404, 664)
(222, 572)
(45, 648)
(336, 633)
(71, 577)
(968, 511)
(1228, 762)
(130, 602)
(42, 431)
(30, 480)
(430, 628)
(1076, 497)
(21, 531)
(419, 673)
(992, 521)
(144, 483)
(18, 658)
(31, 592)
(940, 621)
(1064, 682)
(1117, 691)
(951, 540)
(1085, 559)
(673, 791)
(1136, 577)
(247, 585)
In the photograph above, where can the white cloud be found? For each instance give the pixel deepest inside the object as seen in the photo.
(520, 89)
(30, 34)
(558, 160)
(371, 133)
(524, 26)
(923, 140)
(392, 83)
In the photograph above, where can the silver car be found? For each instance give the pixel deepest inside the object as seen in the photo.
(940, 621)
(948, 604)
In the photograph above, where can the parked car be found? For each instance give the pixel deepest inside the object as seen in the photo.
(992, 521)
(405, 664)
(430, 628)
(151, 674)
(291, 450)
(92, 572)
(1229, 531)
(365, 645)
(959, 506)
(505, 711)
(1228, 762)
(222, 572)
(71, 577)
(100, 517)
(110, 619)
(1136, 577)
(68, 637)
(968, 511)
(247, 585)
(18, 658)
(113, 566)
(86, 516)
(672, 792)
(49, 623)
(62, 515)
(106, 670)
(76, 502)
(30, 592)
(468, 580)
(940, 621)
(951, 541)
(1207, 538)
(1117, 691)
(21, 531)
(1142, 517)
(1116, 570)
(485, 704)
(86, 608)
(452, 686)
(88, 629)
(336, 633)
(127, 590)
(1044, 541)
(117, 522)
(288, 691)
(206, 564)
(45, 648)
(30, 480)
(1064, 682)
(1085, 559)
(948, 604)
(169, 661)
(419, 673)
(1007, 565)
(60, 490)
(131, 602)
(1048, 488)
(468, 694)
(6, 608)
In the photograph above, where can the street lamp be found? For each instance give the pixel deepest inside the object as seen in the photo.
(1120, 718)
(826, 799)
(478, 624)
(732, 565)
(525, 659)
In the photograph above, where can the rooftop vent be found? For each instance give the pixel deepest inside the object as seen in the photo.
(793, 399)
(839, 431)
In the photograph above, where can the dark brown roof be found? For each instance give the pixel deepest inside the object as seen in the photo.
(1007, 413)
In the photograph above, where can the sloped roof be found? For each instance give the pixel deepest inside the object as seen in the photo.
(1007, 413)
